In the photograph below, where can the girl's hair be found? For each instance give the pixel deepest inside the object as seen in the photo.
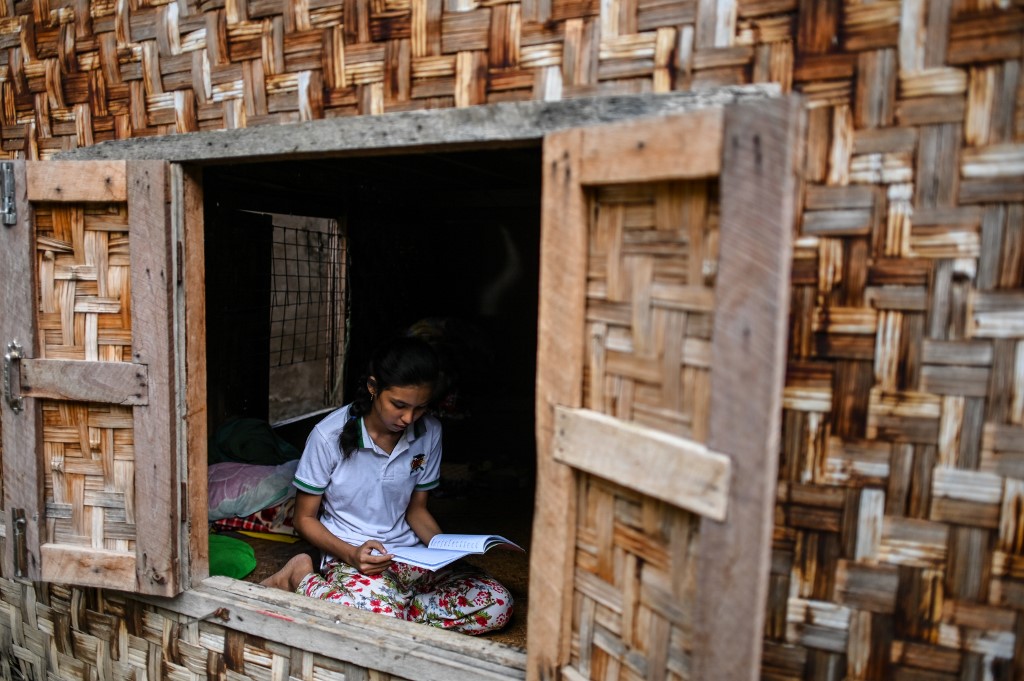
(399, 362)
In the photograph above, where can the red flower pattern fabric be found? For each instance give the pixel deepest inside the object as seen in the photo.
(458, 597)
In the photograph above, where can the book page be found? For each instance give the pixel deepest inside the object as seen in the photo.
(470, 543)
(426, 557)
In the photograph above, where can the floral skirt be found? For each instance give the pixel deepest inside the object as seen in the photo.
(457, 597)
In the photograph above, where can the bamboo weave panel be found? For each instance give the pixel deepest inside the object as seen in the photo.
(84, 634)
(651, 264)
(90, 481)
(75, 76)
(635, 581)
(83, 282)
(897, 544)
(85, 314)
(652, 248)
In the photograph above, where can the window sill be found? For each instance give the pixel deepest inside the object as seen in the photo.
(404, 649)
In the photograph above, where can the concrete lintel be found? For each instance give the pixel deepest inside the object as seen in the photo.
(500, 124)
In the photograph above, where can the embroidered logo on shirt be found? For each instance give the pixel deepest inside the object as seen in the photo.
(418, 462)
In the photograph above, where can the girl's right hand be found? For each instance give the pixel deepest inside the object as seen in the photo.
(370, 558)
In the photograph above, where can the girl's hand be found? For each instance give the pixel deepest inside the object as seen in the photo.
(370, 558)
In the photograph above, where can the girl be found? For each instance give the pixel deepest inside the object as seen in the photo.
(370, 466)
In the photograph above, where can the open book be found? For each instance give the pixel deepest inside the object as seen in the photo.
(448, 548)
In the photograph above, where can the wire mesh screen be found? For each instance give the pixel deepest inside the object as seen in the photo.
(307, 296)
(304, 293)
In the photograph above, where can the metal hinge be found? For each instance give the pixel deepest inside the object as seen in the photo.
(8, 211)
(12, 377)
(20, 524)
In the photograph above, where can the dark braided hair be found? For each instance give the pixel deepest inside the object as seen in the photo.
(401, 361)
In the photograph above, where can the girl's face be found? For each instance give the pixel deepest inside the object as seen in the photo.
(398, 407)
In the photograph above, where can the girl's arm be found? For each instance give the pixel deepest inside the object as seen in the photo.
(420, 519)
(307, 523)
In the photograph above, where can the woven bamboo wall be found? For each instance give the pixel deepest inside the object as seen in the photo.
(648, 349)
(652, 255)
(85, 314)
(86, 634)
(899, 519)
(899, 523)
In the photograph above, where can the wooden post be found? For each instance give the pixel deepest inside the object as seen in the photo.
(758, 187)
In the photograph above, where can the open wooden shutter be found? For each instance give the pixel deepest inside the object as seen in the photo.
(89, 450)
(665, 256)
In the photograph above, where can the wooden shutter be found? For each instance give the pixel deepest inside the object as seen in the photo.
(665, 256)
(90, 458)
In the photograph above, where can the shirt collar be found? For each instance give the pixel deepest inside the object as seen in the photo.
(419, 428)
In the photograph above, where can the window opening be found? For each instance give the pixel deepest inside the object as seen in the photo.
(411, 240)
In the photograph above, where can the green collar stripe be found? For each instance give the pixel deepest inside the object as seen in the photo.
(306, 487)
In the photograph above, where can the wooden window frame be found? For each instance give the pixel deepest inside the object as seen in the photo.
(151, 563)
(753, 152)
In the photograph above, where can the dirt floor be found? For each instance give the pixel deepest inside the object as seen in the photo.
(508, 514)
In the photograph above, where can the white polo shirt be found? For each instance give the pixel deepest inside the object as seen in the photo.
(366, 495)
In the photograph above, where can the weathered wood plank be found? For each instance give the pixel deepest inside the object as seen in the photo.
(758, 185)
(392, 646)
(489, 652)
(66, 181)
(88, 566)
(113, 382)
(22, 432)
(496, 123)
(155, 435)
(193, 374)
(681, 472)
(652, 150)
(560, 352)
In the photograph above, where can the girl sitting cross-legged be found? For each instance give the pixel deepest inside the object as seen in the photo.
(362, 483)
